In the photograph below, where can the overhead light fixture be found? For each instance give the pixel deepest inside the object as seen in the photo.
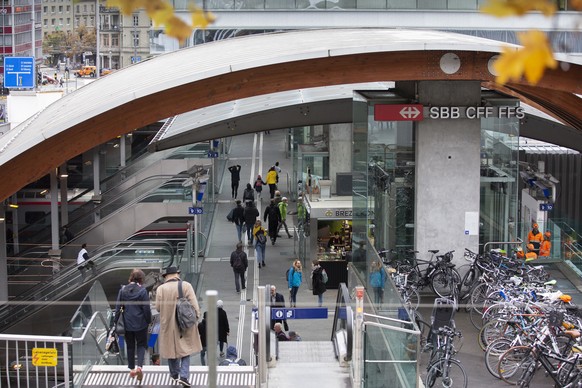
(44, 192)
(116, 145)
(2, 219)
(64, 175)
(13, 205)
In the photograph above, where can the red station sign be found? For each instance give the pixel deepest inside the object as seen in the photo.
(398, 112)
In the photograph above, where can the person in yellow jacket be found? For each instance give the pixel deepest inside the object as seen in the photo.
(535, 237)
(272, 181)
(546, 246)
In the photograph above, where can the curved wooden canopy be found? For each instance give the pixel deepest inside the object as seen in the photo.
(25, 163)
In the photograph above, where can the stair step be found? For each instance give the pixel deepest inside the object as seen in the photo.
(309, 375)
(306, 351)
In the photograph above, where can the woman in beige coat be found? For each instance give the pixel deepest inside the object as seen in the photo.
(176, 346)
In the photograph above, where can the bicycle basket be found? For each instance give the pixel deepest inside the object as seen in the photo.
(447, 257)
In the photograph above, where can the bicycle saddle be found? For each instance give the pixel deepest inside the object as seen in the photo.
(550, 282)
(435, 251)
(573, 333)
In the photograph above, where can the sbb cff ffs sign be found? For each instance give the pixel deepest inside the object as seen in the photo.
(398, 112)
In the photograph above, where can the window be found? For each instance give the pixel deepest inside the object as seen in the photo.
(68, 8)
(115, 40)
(136, 20)
(60, 21)
(78, 8)
(68, 21)
(85, 8)
(135, 39)
(105, 40)
(53, 8)
(53, 22)
(45, 22)
(45, 9)
(60, 8)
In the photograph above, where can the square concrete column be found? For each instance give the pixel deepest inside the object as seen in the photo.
(447, 168)
(340, 151)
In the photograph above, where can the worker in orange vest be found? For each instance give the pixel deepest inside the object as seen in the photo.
(535, 237)
(546, 246)
(531, 254)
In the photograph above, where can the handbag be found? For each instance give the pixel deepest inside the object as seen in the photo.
(120, 323)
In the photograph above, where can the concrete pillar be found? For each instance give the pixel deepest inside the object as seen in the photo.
(340, 151)
(54, 209)
(447, 168)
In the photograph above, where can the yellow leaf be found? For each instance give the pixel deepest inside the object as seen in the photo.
(576, 4)
(200, 18)
(179, 29)
(530, 60)
(503, 8)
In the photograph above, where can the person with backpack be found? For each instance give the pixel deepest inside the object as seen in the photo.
(294, 279)
(232, 358)
(318, 280)
(258, 186)
(272, 214)
(238, 217)
(377, 281)
(239, 263)
(249, 193)
(223, 326)
(134, 299)
(176, 345)
(261, 243)
(250, 215)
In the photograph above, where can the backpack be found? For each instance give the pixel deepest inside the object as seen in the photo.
(261, 238)
(233, 362)
(185, 312)
(324, 277)
(237, 263)
(230, 215)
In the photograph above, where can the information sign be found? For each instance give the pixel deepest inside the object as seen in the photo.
(213, 154)
(19, 72)
(195, 210)
(44, 356)
(546, 207)
(299, 313)
(398, 112)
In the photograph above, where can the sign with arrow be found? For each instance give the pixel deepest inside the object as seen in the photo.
(398, 112)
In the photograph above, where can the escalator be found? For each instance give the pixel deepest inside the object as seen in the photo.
(54, 301)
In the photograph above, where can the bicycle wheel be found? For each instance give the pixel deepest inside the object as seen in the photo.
(514, 364)
(476, 319)
(411, 298)
(467, 282)
(478, 296)
(447, 374)
(494, 330)
(444, 282)
(494, 352)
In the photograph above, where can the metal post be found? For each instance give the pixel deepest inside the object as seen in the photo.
(212, 336)
(358, 336)
(195, 269)
(97, 40)
(262, 337)
(64, 194)
(54, 209)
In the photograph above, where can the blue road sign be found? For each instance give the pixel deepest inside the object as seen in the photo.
(195, 210)
(19, 72)
(299, 313)
(212, 154)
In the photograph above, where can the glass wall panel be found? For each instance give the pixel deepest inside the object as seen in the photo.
(499, 176)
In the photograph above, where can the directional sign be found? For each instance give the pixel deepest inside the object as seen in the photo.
(299, 313)
(398, 112)
(195, 210)
(546, 207)
(44, 356)
(212, 154)
(19, 72)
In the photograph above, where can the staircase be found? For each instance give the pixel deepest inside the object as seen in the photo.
(308, 364)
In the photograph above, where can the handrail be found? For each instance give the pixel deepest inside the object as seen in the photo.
(390, 327)
(344, 299)
(519, 241)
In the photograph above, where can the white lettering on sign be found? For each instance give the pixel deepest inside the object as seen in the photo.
(475, 112)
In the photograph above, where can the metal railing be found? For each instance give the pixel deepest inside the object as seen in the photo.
(343, 321)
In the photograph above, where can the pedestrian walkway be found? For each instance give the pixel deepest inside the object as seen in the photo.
(255, 154)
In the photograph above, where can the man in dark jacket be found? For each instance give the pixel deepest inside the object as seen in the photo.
(239, 263)
(274, 216)
(317, 282)
(238, 217)
(277, 301)
(223, 327)
(137, 315)
(250, 215)
(234, 179)
(202, 332)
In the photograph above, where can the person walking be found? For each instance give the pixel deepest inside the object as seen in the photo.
(260, 243)
(250, 215)
(272, 214)
(377, 281)
(294, 279)
(137, 314)
(84, 261)
(272, 181)
(238, 217)
(176, 345)
(258, 185)
(234, 179)
(223, 327)
(202, 332)
(239, 263)
(277, 301)
(249, 194)
(318, 280)
(283, 212)
(232, 358)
